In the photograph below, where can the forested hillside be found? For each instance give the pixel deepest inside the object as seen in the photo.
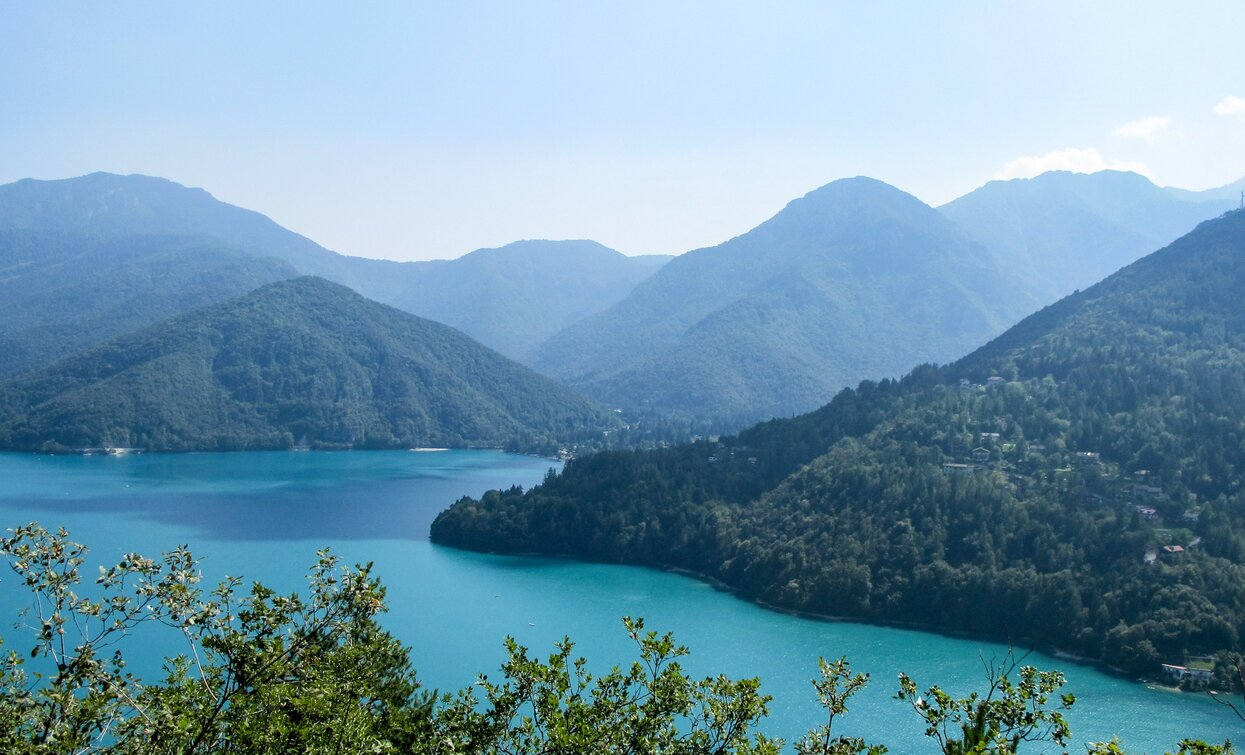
(302, 362)
(854, 279)
(63, 292)
(1075, 483)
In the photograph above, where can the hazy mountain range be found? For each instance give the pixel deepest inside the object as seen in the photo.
(854, 280)
(857, 280)
(513, 298)
(1063, 231)
(541, 285)
(62, 292)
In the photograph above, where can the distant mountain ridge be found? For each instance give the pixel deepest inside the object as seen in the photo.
(297, 362)
(1062, 231)
(586, 277)
(63, 292)
(855, 278)
(108, 204)
(514, 297)
(1227, 193)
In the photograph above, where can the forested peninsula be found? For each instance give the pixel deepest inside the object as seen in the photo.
(1074, 484)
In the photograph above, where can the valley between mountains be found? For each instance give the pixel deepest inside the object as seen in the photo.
(1075, 463)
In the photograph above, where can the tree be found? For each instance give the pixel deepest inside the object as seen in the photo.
(836, 685)
(263, 672)
(999, 721)
(269, 673)
(650, 707)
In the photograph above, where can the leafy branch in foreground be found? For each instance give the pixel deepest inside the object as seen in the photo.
(650, 707)
(836, 685)
(270, 673)
(262, 671)
(1008, 714)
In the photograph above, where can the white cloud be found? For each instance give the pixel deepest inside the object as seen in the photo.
(1231, 106)
(1149, 128)
(1071, 159)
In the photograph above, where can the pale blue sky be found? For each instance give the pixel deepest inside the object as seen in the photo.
(414, 131)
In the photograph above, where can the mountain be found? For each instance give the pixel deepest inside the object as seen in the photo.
(854, 279)
(63, 292)
(104, 204)
(1063, 231)
(515, 297)
(1076, 483)
(1227, 193)
(508, 298)
(297, 362)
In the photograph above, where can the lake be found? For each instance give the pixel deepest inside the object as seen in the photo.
(264, 515)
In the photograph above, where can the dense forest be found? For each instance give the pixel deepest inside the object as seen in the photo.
(1076, 483)
(298, 363)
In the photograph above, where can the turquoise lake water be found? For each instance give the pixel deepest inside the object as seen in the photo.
(264, 515)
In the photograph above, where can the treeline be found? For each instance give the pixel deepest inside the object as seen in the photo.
(1076, 483)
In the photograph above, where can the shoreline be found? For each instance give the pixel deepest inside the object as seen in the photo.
(717, 584)
(121, 452)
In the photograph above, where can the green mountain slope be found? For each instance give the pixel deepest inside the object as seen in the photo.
(854, 279)
(508, 298)
(1076, 483)
(1063, 231)
(303, 361)
(61, 292)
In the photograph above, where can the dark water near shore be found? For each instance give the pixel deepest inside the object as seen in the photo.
(264, 515)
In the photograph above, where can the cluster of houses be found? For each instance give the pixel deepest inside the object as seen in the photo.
(1140, 494)
(108, 451)
(715, 458)
(994, 381)
(979, 456)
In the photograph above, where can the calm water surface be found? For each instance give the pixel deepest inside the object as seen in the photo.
(263, 516)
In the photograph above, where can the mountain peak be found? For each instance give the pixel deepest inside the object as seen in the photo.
(1109, 176)
(1111, 188)
(849, 205)
(853, 279)
(857, 190)
(94, 182)
(109, 204)
(569, 248)
(1062, 231)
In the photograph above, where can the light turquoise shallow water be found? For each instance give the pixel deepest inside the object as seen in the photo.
(263, 516)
